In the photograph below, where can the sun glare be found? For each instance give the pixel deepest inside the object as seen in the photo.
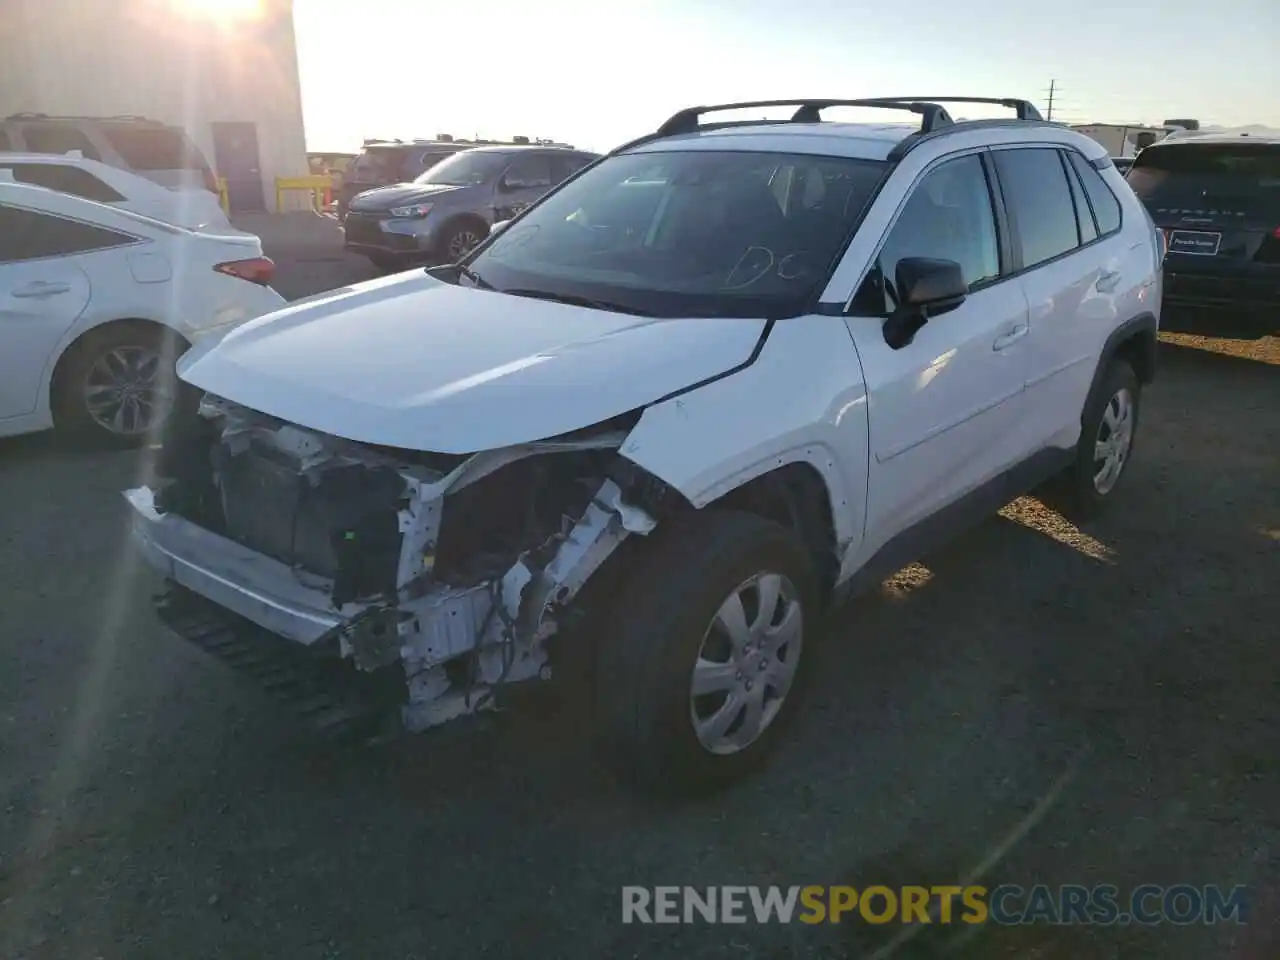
(226, 9)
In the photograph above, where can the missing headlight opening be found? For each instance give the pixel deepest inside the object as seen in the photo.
(457, 568)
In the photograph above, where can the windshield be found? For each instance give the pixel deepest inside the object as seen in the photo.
(469, 168)
(1247, 173)
(689, 233)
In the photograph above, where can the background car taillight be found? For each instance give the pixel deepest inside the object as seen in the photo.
(259, 270)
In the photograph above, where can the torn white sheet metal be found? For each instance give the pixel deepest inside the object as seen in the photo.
(495, 629)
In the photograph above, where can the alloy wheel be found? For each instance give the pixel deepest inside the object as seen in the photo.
(124, 392)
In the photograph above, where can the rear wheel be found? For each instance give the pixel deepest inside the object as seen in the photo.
(1106, 446)
(703, 660)
(117, 385)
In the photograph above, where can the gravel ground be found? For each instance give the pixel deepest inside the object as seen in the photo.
(1120, 680)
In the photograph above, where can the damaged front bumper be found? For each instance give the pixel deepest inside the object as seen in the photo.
(455, 642)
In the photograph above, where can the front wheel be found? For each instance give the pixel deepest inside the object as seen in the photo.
(704, 658)
(460, 239)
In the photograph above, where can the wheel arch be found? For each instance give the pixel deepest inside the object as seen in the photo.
(455, 220)
(77, 341)
(1134, 341)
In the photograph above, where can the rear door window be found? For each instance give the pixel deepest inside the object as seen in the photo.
(1039, 201)
(529, 170)
(64, 179)
(58, 138)
(153, 148)
(31, 235)
(563, 167)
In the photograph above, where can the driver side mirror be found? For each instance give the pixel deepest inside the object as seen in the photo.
(499, 227)
(926, 288)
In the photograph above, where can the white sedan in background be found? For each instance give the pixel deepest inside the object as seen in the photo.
(97, 303)
(73, 173)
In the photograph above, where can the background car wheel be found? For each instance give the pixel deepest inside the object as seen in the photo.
(459, 240)
(1105, 448)
(117, 384)
(704, 657)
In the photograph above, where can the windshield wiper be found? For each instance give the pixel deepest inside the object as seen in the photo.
(577, 301)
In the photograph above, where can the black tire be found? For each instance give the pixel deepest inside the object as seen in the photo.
(652, 639)
(454, 244)
(71, 411)
(1076, 494)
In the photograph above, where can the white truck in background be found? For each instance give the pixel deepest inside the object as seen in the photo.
(1124, 139)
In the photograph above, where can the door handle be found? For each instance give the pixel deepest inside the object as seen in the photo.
(41, 289)
(1107, 281)
(1010, 337)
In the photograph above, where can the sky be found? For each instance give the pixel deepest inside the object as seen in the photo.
(596, 74)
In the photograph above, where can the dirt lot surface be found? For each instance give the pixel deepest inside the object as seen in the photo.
(1079, 706)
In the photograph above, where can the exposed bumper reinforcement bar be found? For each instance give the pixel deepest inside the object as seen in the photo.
(279, 600)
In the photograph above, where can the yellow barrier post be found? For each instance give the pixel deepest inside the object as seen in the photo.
(319, 186)
(223, 200)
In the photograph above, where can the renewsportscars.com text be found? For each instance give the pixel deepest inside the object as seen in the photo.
(1008, 904)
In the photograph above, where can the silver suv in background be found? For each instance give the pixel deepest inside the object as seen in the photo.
(158, 151)
(447, 210)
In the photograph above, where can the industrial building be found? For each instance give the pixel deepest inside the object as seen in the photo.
(225, 72)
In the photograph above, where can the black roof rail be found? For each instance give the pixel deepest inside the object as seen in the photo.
(1023, 109)
(807, 111)
(907, 144)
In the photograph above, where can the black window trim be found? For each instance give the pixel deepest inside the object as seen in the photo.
(1022, 269)
(1097, 224)
(1005, 249)
(134, 240)
(1075, 187)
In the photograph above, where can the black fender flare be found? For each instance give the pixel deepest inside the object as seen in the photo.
(1136, 340)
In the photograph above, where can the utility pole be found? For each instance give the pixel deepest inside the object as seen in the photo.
(1052, 87)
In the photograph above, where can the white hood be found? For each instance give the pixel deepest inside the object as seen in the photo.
(410, 361)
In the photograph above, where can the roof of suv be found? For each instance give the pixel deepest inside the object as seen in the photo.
(807, 132)
(1266, 136)
(525, 148)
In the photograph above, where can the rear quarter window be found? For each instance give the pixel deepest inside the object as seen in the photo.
(64, 179)
(1106, 208)
(154, 148)
(32, 235)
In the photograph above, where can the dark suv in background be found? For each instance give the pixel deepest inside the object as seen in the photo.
(383, 162)
(449, 209)
(1216, 197)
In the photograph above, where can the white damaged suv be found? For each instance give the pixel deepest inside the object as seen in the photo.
(711, 384)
